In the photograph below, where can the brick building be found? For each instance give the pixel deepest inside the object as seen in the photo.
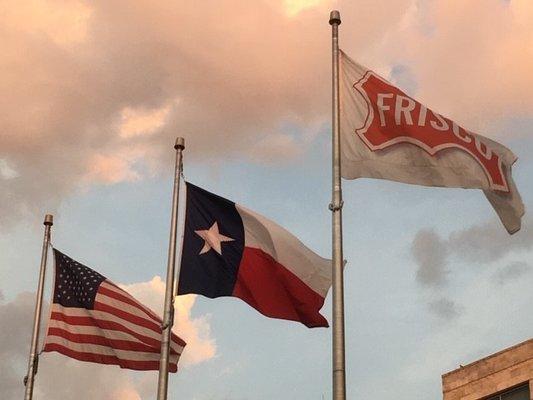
(506, 375)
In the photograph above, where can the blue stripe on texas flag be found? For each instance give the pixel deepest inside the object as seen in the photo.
(210, 267)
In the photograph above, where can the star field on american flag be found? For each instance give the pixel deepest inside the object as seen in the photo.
(76, 285)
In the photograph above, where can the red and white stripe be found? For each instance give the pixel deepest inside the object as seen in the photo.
(278, 275)
(119, 331)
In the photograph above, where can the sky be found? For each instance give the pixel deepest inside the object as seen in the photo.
(95, 93)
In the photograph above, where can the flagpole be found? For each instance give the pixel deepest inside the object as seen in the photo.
(339, 374)
(168, 314)
(34, 357)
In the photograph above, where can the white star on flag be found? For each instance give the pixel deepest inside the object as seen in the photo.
(213, 239)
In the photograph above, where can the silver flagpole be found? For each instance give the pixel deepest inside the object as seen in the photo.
(168, 314)
(34, 357)
(339, 374)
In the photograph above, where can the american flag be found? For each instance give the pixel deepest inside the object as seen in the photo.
(94, 320)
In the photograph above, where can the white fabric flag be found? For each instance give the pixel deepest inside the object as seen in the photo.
(386, 134)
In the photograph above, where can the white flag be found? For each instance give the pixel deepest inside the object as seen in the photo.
(386, 134)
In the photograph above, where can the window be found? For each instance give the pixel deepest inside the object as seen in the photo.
(519, 393)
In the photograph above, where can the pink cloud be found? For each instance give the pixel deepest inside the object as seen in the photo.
(95, 103)
(472, 61)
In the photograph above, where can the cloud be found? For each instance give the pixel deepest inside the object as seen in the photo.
(6, 171)
(481, 244)
(430, 253)
(444, 308)
(489, 242)
(511, 272)
(281, 147)
(294, 7)
(89, 81)
(481, 328)
(15, 319)
(64, 22)
(106, 81)
(109, 169)
(464, 58)
(62, 378)
(135, 122)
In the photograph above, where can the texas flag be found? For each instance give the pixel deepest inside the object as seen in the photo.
(387, 134)
(229, 250)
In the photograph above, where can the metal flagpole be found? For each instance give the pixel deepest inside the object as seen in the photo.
(168, 315)
(339, 374)
(34, 357)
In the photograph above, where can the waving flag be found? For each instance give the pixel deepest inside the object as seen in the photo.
(94, 320)
(386, 134)
(229, 250)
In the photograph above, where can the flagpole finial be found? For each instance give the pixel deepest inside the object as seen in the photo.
(48, 220)
(180, 143)
(334, 17)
